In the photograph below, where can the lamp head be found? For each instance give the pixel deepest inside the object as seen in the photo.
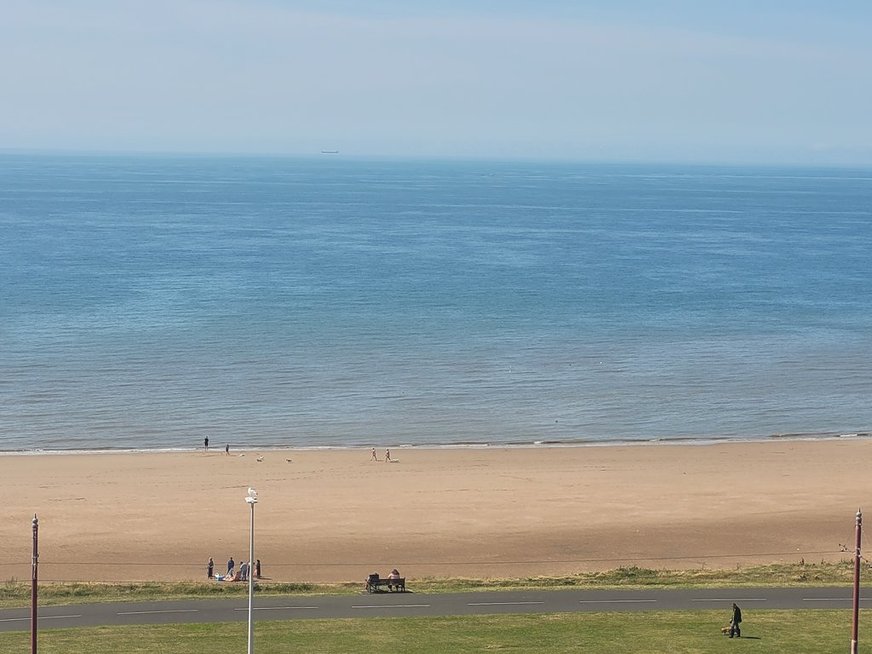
(252, 496)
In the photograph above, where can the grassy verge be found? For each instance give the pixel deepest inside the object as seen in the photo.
(763, 632)
(14, 593)
(791, 574)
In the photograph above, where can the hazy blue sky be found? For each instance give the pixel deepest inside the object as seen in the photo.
(668, 80)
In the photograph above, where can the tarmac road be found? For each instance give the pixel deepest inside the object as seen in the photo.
(413, 604)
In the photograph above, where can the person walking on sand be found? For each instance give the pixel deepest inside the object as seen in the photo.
(387, 456)
(373, 456)
(227, 449)
(735, 621)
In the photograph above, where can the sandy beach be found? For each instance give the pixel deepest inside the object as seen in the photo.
(334, 515)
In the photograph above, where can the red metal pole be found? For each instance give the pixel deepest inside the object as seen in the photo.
(33, 584)
(855, 627)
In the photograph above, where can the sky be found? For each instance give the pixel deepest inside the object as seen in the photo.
(668, 80)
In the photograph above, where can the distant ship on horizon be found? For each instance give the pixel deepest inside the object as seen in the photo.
(329, 151)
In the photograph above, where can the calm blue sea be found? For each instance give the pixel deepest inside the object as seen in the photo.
(147, 302)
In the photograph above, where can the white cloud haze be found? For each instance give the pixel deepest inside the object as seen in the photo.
(524, 81)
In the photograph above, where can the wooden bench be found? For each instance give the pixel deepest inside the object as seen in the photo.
(374, 584)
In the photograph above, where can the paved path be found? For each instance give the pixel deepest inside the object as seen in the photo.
(413, 604)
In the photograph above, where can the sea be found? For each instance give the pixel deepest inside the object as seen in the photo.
(148, 302)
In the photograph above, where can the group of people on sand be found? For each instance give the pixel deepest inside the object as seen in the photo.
(233, 574)
(206, 446)
(388, 459)
(373, 457)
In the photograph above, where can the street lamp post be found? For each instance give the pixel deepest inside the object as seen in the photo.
(34, 574)
(252, 500)
(857, 557)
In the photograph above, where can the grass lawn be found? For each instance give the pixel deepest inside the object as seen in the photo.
(676, 632)
(17, 593)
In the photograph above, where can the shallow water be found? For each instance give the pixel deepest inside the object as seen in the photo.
(148, 302)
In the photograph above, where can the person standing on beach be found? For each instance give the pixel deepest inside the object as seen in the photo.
(735, 621)
(227, 449)
(210, 568)
(230, 565)
(206, 443)
(257, 569)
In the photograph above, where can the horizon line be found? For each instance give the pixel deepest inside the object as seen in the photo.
(373, 156)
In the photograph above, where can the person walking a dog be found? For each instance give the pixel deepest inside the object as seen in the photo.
(735, 621)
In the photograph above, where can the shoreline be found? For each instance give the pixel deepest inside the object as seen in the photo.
(678, 440)
(332, 515)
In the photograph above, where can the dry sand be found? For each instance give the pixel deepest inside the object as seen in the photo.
(490, 512)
